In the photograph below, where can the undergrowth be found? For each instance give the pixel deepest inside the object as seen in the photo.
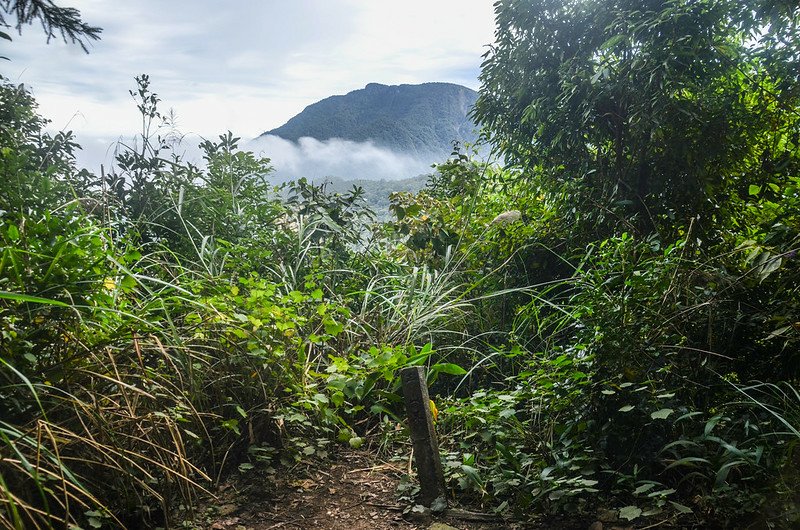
(605, 325)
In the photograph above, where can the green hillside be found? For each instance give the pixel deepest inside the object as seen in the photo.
(419, 119)
(376, 192)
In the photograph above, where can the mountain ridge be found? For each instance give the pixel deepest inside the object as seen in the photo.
(419, 119)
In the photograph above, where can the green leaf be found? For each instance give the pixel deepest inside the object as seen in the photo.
(769, 265)
(344, 435)
(690, 461)
(629, 513)
(626, 408)
(753, 189)
(448, 368)
(33, 299)
(232, 425)
(680, 507)
(333, 328)
(191, 434)
(127, 283)
(613, 41)
(644, 488)
(661, 493)
(337, 398)
(413, 210)
(13, 233)
(662, 414)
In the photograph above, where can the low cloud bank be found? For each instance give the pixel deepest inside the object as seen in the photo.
(312, 158)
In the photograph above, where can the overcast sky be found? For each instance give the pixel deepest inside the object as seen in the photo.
(245, 65)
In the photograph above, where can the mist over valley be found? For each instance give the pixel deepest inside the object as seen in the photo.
(378, 132)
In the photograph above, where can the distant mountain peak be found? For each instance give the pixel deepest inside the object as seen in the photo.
(421, 120)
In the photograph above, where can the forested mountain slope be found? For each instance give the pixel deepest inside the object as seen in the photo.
(417, 119)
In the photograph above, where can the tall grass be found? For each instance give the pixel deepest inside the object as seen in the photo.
(113, 400)
(780, 400)
(114, 421)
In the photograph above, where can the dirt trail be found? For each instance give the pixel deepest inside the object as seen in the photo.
(353, 493)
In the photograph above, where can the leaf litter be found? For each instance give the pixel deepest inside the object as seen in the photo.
(352, 492)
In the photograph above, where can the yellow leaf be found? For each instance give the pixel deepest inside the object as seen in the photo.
(434, 410)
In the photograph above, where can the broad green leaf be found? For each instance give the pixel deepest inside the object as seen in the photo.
(629, 513)
(644, 488)
(448, 368)
(333, 328)
(662, 414)
(337, 398)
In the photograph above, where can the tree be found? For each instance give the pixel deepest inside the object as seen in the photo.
(645, 108)
(55, 20)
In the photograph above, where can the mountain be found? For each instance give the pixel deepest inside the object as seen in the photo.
(417, 120)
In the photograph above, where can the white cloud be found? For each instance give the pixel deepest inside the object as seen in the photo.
(308, 157)
(335, 157)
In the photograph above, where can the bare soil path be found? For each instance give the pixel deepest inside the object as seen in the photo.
(354, 492)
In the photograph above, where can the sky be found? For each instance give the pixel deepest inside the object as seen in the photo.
(246, 66)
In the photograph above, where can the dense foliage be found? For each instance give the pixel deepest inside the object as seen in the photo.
(610, 320)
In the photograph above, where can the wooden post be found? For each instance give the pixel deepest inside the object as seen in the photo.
(423, 435)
